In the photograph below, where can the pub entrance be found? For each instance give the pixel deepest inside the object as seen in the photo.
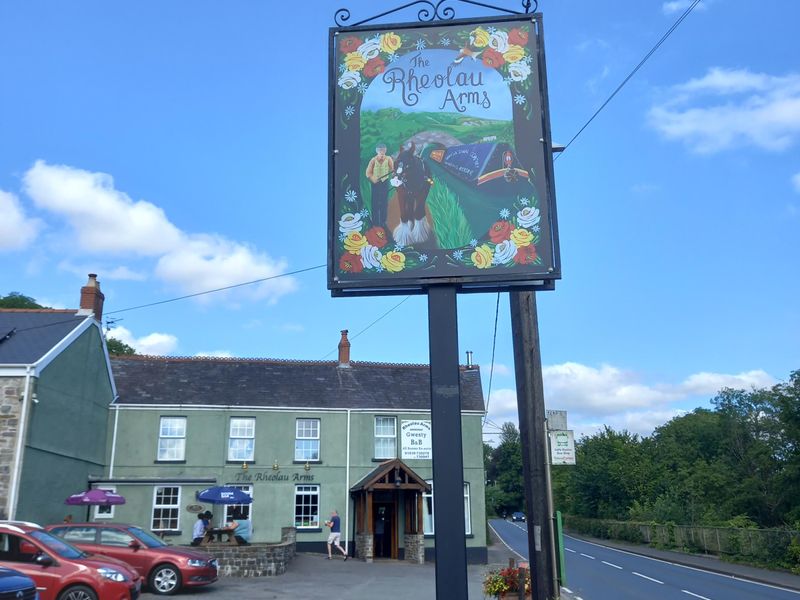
(388, 509)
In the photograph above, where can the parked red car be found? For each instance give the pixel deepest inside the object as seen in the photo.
(165, 568)
(62, 571)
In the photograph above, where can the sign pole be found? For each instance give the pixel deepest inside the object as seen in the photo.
(535, 457)
(448, 462)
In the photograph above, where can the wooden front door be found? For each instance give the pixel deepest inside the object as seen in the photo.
(384, 528)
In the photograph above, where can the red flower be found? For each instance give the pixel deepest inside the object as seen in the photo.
(500, 231)
(351, 263)
(350, 44)
(377, 237)
(518, 37)
(492, 58)
(374, 66)
(525, 255)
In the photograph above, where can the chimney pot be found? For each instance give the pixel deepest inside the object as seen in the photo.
(92, 298)
(344, 350)
(469, 359)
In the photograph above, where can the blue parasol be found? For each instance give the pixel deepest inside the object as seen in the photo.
(223, 494)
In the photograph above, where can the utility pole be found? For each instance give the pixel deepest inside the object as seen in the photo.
(530, 404)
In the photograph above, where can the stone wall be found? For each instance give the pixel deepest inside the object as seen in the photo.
(364, 546)
(256, 560)
(415, 548)
(11, 389)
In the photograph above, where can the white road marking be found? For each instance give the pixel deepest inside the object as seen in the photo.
(506, 545)
(648, 578)
(611, 564)
(566, 589)
(695, 595)
(587, 556)
(570, 550)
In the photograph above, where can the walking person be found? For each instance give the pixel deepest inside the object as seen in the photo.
(336, 534)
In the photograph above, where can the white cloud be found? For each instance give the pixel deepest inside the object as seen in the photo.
(17, 230)
(152, 344)
(796, 182)
(216, 354)
(107, 221)
(121, 273)
(709, 384)
(675, 6)
(727, 108)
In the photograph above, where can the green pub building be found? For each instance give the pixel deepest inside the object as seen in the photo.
(303, 438)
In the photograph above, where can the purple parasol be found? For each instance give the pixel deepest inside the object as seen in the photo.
(95, 497)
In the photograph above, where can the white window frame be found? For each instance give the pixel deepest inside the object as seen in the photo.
(246, 509)
(162, 436)
(297, 438)
(105, 512)
(176, 507)
(467, 511)
(244, 433)
(383, 436)
(312, 489)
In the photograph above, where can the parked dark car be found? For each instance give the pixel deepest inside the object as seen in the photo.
(518, 516)
(166, 568)
(14, 584)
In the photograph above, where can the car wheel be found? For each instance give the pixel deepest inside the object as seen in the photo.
(78, 592)
(165, 580)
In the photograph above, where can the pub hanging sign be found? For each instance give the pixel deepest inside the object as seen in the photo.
(440, 158)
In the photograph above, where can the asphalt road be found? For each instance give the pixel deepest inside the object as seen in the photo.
(597, 572)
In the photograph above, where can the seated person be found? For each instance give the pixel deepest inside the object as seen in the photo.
(239, 527)
(199, 529)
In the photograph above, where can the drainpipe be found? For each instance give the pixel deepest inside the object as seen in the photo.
(113, 439)
(13, 492)
(347, 487)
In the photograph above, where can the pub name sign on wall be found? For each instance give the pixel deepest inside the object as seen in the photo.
(440, 167)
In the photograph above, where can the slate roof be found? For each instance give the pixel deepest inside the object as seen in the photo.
(281, 383)
(26, 335)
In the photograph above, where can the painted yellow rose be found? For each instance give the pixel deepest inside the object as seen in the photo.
(480, 37)
(521, 237)
(514, 53)
(393, 261)
(354, 242)
(390, 42)
(354, 61)
(482, 257)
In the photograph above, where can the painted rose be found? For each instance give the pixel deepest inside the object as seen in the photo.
(492, 58)
(375, 66)
(393, 261)
(499, 41)
(351, 263)
(482, 257)
(349, 43)
(354, 61)
(479, 37)
(354, 242)
(518, 36)
(500, 231)
(525, 255)
(528, 216)
(349, 80)
(371, 257)
(519, 71)
(350, 222)
(376, 236)
(521, 237)
(504, 252)
(370, 49)
(390, 42)
(514, 54)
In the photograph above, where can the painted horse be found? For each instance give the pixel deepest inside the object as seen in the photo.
(412, 182)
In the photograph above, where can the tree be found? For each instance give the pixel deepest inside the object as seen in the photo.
(506, 492)
(119, 348)
(17, 300)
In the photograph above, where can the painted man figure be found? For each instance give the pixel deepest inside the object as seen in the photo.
(378, 170)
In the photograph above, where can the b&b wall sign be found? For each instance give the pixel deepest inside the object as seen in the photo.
(440, 158)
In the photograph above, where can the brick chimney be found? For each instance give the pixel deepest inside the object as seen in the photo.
(92, 298)
(344, 351)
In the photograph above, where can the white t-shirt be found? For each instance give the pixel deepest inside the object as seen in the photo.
(199, 529)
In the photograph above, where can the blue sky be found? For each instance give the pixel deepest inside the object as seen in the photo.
(175, 147)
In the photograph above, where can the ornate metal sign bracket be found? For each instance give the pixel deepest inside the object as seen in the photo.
(433, 10)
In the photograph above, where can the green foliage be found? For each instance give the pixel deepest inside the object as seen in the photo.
(119, 348)
(505, 492)
(17, 300)
(452, 228)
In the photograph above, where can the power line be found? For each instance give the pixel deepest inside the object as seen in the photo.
(227, 287)
(491, 368)
(632, 73)
(371, 324)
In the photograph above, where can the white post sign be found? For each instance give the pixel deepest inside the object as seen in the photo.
(415, 440)
(562, 448)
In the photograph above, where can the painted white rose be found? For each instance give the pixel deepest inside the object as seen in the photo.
(528, 217)
(370, 48)
(395, 182)
(504, 252)
(349, 79)
(371, 257)
(519, 71)
(350, 222)
(499, 41)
